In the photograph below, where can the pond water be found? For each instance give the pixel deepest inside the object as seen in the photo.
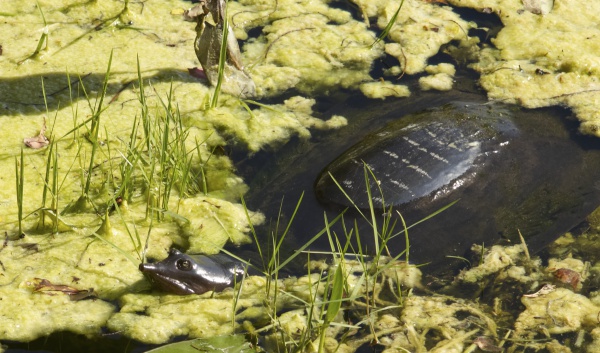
(138, 156)
(524, 189)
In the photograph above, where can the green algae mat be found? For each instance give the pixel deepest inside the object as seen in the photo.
(112, 152)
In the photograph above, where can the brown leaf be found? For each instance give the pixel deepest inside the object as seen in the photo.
(45, 286)
(568, 276)
(486, 344)
(83, 294)
(38, 141)
(195, 12)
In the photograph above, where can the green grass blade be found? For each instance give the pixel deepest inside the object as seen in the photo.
(124, 253)
(308, 243)
(431, 215)
(335, 298)
(19, 172)
(94, 130)
(388, 27)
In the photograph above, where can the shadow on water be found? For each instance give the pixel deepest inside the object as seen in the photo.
(24, 95)
(67, 342)
(544, 184)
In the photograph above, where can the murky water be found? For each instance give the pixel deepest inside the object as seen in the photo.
(83, 34)
(543, 185)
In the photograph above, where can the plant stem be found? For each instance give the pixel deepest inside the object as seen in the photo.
(222, 58)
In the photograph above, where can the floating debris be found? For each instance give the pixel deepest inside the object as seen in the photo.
(538, 7)
(39, 141)
(568, 276)
(486, 344)
(547, 288)
(209, 39)
(42, 285)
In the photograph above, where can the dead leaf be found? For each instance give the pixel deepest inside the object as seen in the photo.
(38, 141)
(538, 7)
(197, 73)
(568, 276)
(486, 344)
(547, 288)
(195, 12)
(42, 285)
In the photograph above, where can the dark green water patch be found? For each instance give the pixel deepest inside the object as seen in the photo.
(541, 181)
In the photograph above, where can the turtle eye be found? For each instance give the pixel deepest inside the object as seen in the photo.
(184, 265)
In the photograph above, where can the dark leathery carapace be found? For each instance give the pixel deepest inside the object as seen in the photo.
(508, 175)
(418, 159)
(528, 170)
(184, 274)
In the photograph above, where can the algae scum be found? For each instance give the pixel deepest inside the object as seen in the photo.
(126, 155)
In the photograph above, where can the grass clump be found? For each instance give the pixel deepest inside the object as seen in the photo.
(347, 293)
(158, 163)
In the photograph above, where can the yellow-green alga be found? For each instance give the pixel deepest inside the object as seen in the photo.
(304, 47)
(544, 60)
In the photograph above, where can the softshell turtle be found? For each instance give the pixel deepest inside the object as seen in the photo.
(419, 159)
(507, 175)
(184, 274)
(526, 170)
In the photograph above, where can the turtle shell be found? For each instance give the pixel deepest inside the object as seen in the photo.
(506, 170)
(506, 176)
(418, 159)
